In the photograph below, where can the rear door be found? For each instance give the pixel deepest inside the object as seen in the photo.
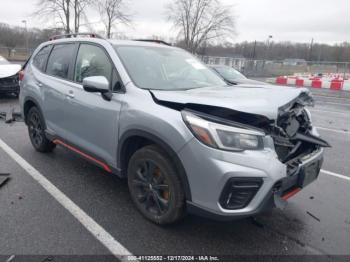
(55, 86)
(91, 122)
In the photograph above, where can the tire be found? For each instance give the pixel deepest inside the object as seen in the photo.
(155, 186)
(36, 130)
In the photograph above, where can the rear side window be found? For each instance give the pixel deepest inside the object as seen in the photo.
(60, 60)
(92, 61)
(39, 61)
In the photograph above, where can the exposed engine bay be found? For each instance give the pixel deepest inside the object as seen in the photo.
(291, 131)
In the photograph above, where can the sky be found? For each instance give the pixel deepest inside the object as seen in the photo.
(327, 21)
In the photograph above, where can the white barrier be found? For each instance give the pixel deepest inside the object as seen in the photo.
(315, 82)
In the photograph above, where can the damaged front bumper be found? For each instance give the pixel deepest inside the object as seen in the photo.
(213, 175)
(226, 183)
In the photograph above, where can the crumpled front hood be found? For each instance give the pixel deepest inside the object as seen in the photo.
(262, 100)
(9, 70)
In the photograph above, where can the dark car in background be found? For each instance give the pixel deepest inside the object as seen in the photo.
(233, 76)
(9, 79)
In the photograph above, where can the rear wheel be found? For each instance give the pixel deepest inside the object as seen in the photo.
(155, 186)
(36, 130)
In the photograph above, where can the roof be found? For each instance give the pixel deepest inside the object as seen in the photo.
(111, 41)
(137, 43)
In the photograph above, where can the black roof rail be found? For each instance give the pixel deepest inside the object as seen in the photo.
(93, 35)
(154, 41)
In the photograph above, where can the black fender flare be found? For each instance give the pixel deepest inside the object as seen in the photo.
(165, 146)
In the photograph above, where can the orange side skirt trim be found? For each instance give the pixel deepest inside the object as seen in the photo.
(291, 193)
(100, 163)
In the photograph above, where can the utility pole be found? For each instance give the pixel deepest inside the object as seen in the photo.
(254, 50)
(268, 47)
(26, 34)
(311, 46)
(266, 56)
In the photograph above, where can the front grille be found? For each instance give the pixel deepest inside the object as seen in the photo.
(238, 192)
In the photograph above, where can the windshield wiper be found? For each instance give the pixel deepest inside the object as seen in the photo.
(232, 83)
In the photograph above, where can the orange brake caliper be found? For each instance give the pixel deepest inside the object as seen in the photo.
(165, 193)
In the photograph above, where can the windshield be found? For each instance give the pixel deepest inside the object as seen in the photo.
(166, 68)
(3, 61)
(229, 73)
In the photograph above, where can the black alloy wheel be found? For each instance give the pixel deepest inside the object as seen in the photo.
(155, 186)
(36, 130)
(151, 187)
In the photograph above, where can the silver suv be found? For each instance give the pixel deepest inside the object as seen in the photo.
(183, 138)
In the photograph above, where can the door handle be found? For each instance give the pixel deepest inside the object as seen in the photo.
(70, 94)
(39, 84)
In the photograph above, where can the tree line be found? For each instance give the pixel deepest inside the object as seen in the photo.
(202, 26)
(281, 50)
(13, 37)
(196, 21)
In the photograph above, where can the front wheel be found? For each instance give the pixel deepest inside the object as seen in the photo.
(155, 186)
(36, 130)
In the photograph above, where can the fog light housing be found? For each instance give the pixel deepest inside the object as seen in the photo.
(238, 192)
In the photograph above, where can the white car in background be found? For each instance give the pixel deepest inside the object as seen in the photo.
(9, 77)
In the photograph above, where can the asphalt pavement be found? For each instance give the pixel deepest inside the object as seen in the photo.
(32, 221)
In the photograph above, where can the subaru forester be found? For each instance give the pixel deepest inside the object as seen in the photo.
(185, 140)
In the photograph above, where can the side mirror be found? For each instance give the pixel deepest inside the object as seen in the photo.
(98, 84)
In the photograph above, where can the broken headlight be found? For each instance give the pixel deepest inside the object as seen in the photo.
(222, 136)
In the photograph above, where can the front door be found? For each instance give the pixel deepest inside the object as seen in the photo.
(91, 122)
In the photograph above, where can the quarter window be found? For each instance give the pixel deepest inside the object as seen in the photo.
(92, 61)
(40, 59)
(60, 60)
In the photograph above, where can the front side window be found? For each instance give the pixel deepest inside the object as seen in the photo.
(166, 68)
(39, 60)
(92, 61)
(60, 60)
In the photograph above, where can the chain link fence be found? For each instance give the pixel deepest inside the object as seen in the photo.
(268, 68)
(251, 68)
(15, 54)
